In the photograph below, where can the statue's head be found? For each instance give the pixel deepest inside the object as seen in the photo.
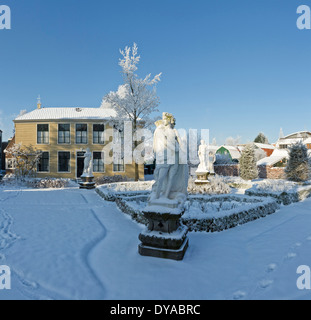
(168, 118)
(203, 142)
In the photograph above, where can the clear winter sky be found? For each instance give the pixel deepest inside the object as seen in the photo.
(236, 67)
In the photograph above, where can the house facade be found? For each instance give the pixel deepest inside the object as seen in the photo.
(63, 135)
(288, 141)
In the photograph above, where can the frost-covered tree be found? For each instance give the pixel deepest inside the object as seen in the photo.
(261, 138)
(26, 159)
(135, 100)
(230, 141)
(223, 158)
(248, 163)
(298, 167)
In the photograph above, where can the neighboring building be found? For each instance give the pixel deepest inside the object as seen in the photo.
(232, 152)
(288, 141)
(267, 148)
(4, 145)
(9, 160)
(63, 134)
(278, 158)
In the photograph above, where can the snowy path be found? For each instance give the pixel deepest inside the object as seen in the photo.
(71, 244)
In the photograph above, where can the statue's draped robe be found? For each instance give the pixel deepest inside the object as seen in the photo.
(167, 151)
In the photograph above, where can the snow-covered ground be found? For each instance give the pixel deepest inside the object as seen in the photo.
(71, 244)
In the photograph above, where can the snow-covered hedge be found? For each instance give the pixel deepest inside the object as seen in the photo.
(228, 212)
(112, 191)
(48, 183)
(237, 182)
(216, 186)
(37, 183)
(285, 192)
(111, 179)
(208, 213)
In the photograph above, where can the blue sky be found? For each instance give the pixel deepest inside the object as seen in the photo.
(236, 67)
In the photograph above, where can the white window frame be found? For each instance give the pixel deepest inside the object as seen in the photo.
(49, 165)
(64, 143)
(65, 172)
(87, 133)
(47, 131)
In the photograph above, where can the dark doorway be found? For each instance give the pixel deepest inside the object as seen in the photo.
(80, 163)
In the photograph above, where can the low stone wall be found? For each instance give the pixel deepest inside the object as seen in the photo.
(265, 172)
(285, 198)
(229, 170)
(268, 172)
(259, 209)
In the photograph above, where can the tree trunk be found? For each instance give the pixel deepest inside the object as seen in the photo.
(135, 144)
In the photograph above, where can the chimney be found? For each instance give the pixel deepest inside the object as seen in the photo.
(39, 102)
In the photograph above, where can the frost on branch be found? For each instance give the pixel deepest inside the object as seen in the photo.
(298, 167)
(136, 98)
(26, 160)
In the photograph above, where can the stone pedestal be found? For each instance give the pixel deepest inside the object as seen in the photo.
(165, 237)
(87, 183)
(202, 177)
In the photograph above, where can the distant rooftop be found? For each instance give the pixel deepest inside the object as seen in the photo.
(68, 114)
(298, 135)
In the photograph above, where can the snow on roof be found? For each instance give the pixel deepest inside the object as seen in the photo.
(264, 146)
(277, 156)
(289, 141)
(68, 113)
(307, 141)
(298, 135)
(234, 151)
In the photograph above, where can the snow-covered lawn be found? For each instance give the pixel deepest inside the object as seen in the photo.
(72, 244)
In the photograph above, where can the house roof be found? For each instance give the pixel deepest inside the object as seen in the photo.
(277, 156)
(264, 146)
(68, 113)
(234, 151)
(298, 135)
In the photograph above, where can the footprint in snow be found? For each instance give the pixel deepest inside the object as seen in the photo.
(264, 284)
(291, 255)
(271, 267)
(239, 295)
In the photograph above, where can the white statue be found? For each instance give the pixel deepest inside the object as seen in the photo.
(171, 177)
(88, 164)
(212, 160)
(203, 156)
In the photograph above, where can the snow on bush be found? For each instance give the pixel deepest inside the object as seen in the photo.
(298, 167)
(216, 186)
(110, 179)
(37, 183)
(286, 192)
(277, 186)
(208, 213)
(237, 182)
(26, 159)
(112, 191)
(248, 164)
(48, 183)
